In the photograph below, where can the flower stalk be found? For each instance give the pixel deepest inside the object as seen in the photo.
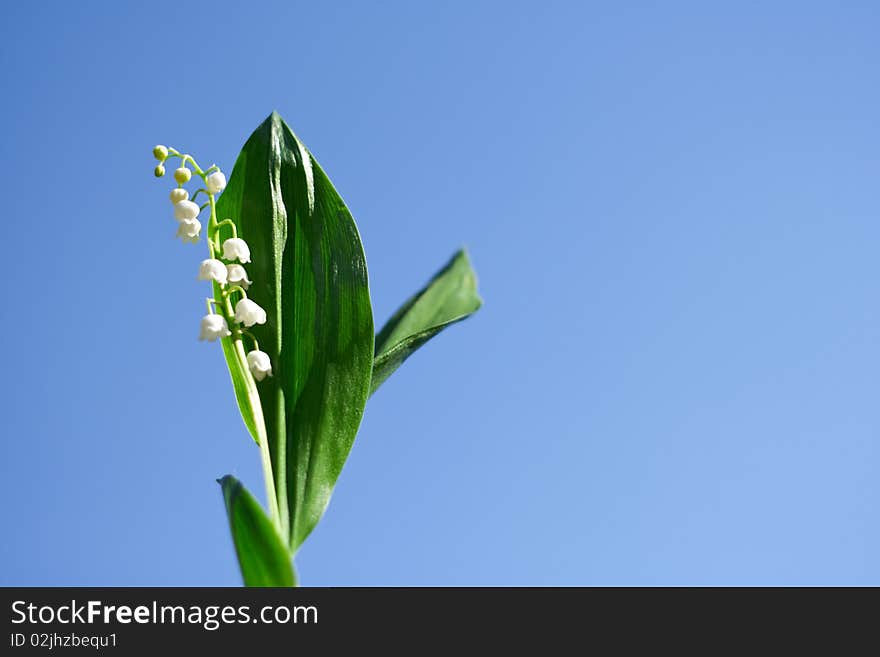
(224, 321)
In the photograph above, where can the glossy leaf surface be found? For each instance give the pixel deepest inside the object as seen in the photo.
(449, 297)
(262, 554)
(309, 274)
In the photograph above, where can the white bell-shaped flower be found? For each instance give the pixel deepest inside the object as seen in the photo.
(259, 364)
(236, 275)
(215, 182)
(178, 194)
(213, 270)
(236, 248)
(188, 230)
(249, 313)
(185, 210)
(213, 327)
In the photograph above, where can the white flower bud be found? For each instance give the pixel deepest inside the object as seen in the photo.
(215, 182)
(178, 194)
(236, 248)
(236, 275)
(160, 152)
(188, 230)
(213, 327)
(259, 364)
(182, 175)
(249, 313)
(185, 210)
(159, 171)
(212, 270)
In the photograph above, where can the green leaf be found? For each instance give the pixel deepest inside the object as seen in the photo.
(262, 554)
(309, 273)
(449, 297)
(243, 383)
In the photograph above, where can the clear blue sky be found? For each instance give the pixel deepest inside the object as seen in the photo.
(675, 214)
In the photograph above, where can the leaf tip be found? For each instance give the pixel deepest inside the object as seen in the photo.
(272, 123)
(227, 480)
(275, 120)
(464, 256)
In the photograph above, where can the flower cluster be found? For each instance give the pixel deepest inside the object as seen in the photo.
(230, 277)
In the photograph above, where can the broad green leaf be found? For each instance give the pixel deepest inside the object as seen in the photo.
(262, 554)
(449, 297)
(309, 273)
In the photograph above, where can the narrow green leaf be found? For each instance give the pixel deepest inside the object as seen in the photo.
(449, 297)
(309, 273)
(262, 554)
(242, 383)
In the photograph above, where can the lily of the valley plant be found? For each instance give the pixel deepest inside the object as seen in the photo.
(290, 306)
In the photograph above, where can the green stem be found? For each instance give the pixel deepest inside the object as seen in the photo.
(253, 394)
(251, 336)
(196, 168)
(231, 224)
(173, 152)
(263, 440)
(235, 288)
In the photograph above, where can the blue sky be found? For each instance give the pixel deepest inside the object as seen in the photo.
(673, 211)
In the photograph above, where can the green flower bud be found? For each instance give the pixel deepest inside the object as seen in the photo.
(159, 171)
(160, 153)
(182, 175)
